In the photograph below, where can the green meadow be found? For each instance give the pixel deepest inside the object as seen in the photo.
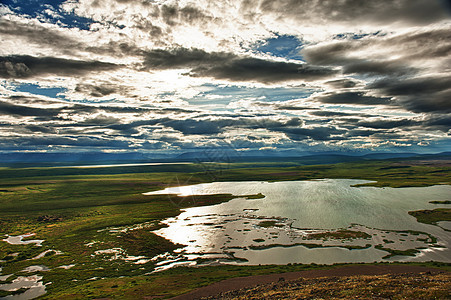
(81, 212)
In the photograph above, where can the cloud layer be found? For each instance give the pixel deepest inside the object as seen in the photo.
(172, 76)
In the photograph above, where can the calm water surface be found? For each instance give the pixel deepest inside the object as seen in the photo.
(233, 229)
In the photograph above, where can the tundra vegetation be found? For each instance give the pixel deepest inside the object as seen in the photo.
(97, 224)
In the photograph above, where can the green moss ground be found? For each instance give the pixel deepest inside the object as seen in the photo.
(71, 207)
(432, 216)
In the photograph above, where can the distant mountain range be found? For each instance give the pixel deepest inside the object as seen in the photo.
(284, 156)
(207, 155)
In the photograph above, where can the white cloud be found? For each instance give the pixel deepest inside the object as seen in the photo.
(358, 66)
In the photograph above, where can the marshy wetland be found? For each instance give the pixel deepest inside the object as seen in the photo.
(318, 221)
(118, 232)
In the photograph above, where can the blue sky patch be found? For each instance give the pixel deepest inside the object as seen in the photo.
(286, 46)
(56, 93)
(48, 10)
(53, 92)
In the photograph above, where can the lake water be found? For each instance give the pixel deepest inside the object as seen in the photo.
(283, 227)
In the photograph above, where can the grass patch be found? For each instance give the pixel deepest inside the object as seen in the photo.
(268, 224)
(256, 196)
(393, 252)
(440, 202)
(340, 234)
(181, 280)
(432, 216)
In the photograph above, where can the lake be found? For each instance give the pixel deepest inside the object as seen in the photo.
(318, 221)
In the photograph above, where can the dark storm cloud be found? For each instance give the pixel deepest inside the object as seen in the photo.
(438, 121)
(287, 107)
(322, 133)
(293, 127)
(385, 135)
(417, 12)
(427, 94)
(46, 114)
(146, 25)
(34, 33)
(28, 99)
(432, 43)
(207, 126)
(132, 127)
(40, 128)
(424, 44)
(184, 58)
(387, 123)
(100, 116)
(406, 79)
(186, 126)
(356, 98)
(338, 55)
(23, 66)
(98, 90)
(52, 114)
(441, 122)
(63, 42)
(391, 135)
(353, 133)
(249, 69)
(154, 146)
(330, 54)
(326, 113)
(344, 83)
(426, 85)
(377, 68)
(223, 65)
(36, 142)
(25, 111)
(115, 48)
(82, 108)
(197, 127)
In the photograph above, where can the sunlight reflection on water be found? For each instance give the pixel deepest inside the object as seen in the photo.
(299, 206)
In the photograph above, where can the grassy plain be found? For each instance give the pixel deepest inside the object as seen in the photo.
(83, 211)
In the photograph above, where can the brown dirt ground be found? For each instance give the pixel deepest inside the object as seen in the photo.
(252, 281)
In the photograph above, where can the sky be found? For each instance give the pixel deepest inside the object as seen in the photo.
(158, 76)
